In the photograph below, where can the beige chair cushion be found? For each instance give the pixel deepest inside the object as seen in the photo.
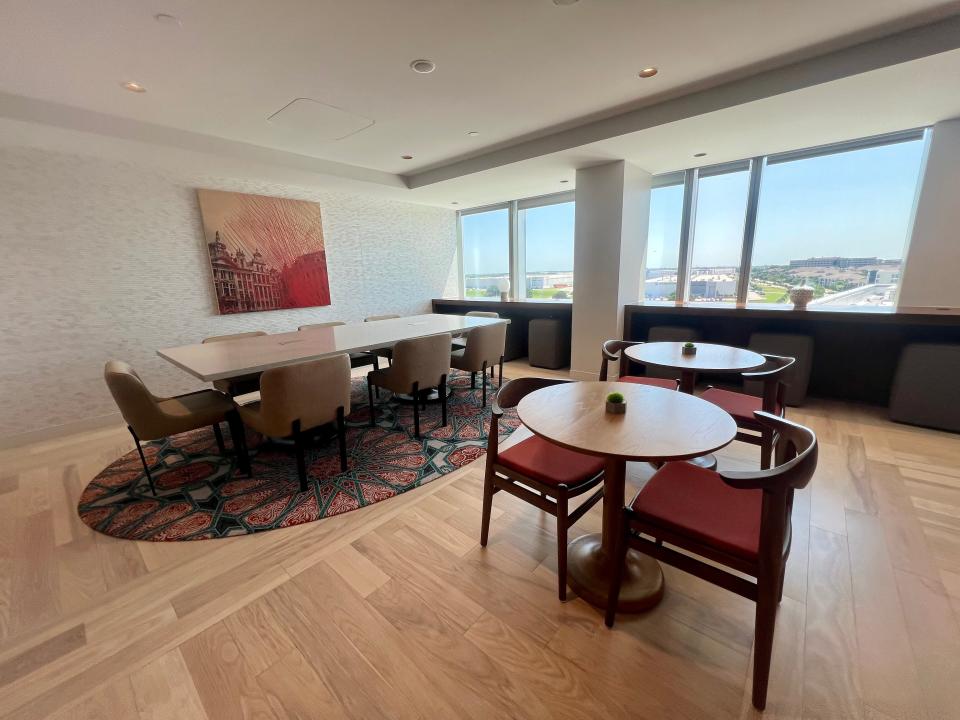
(482, 313)
(374, 318)
(484, 344)
(309, 392)
(314, 326)
(152, 417)
(422, 360)
(242, 383)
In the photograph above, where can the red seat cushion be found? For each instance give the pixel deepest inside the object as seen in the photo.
(548, 463)
(739, 405)
(668, 383)
(697, 503)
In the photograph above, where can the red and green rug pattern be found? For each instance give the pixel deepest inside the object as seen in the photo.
(200, 495)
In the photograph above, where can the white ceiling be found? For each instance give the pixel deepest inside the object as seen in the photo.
(509, 69)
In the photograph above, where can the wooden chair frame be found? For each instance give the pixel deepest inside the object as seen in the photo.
(554, 499)
(612, 351)
(796, 463)
(774, 389)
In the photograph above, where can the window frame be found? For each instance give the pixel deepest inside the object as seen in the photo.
(517, 243)
(756, 166)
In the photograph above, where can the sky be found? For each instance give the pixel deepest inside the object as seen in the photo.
(856, 203)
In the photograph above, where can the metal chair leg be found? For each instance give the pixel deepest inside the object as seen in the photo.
(298, 444)
(342, 438)
(218, 434)
(443, 399)
(239, 437)
(416, 409)
(484, 376)
(143, 460)
(373, 419)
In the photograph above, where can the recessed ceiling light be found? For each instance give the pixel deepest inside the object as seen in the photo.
(699, 154)
(406, 157)
(167, 19)
(423, 66)
(473, 133)
(564, 2)
(454, 203)
(648, 72)
(564, 181)
(133, 87)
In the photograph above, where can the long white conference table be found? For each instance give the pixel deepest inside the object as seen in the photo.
(246, 356)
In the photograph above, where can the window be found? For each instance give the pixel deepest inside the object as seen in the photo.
(718, 236)
(546, 236)
(834, 217)
(837, 222)
(485, 240)
(663, 242)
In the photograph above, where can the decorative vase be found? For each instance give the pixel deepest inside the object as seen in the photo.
(800, 296)
(503, 285)
(688, 350)
(616, 408)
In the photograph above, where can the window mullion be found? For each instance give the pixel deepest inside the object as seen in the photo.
(690, 182)
(515, 289)
(749, 230)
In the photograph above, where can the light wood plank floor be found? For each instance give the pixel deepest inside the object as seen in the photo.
(395, 611)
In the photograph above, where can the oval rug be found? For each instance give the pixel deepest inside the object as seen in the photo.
(199, 497)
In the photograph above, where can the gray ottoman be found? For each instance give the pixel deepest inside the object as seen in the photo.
(549, 344)
(797, 378)
(926, 390)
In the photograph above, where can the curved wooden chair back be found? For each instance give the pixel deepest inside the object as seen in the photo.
(771, 375)
(611, 351)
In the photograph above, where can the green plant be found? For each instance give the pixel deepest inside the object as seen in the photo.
(615, 397)
(689, 345)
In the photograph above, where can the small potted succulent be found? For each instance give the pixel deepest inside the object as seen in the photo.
(689, 349)
(616, 405)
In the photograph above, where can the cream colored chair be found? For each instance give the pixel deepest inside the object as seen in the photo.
(484, 349)
(149, 417)
(458, 341)
(386, 352)
(359, 359)
(296, 399)
(238, 385)
(418, 366)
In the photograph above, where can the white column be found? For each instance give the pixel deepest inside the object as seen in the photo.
(929, 281)
(613, 208)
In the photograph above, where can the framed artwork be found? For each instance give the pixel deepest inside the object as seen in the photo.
(266, 253)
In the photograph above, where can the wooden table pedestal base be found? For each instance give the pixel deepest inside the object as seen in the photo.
(588, 574)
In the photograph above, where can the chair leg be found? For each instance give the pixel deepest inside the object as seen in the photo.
(218, 434)
(239, 438)
(416, 409)
(500, 384)
(342, 438)
(562, 525)
(766, 618)
(298, 444)
(143, 460)
(373, 417)
(443, 399)
(484, 376)
(487, 505)
(616, 577)
(376, 362)
(473, 381)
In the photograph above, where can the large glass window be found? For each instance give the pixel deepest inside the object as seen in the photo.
(547, 239)
(663, 242)
(718, 236)
(836, 222)
(486, 251)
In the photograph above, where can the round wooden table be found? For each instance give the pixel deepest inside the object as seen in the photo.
(659, 425)
(709, 358)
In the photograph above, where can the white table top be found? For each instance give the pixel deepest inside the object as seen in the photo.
(245, 356)
(659, 424)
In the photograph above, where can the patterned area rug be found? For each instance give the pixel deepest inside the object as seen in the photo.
(199, 497)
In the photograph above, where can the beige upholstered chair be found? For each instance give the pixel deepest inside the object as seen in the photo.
(238, 385)
(358, 359)
(484, 349)
(297, 399)
(458, 341)
(418, 365)
(149, 417)
(385, 352)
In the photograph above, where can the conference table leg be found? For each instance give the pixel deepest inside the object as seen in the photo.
(589, 556)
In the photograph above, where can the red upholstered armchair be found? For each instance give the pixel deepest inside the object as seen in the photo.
(742, 407)
(741, 520)
(538, 472)
(612, 350)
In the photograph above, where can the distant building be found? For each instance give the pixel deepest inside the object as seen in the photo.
(839, 262)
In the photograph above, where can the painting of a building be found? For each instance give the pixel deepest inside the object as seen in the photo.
(265, 253)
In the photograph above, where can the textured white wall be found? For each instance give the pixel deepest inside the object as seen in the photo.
(101, 259)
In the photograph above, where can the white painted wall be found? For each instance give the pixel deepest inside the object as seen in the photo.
(931, 275)
(105, 259)
(613, 207)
